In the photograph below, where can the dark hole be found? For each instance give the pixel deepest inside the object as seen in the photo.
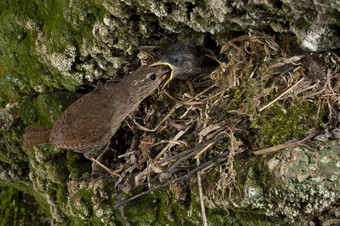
(278, 5)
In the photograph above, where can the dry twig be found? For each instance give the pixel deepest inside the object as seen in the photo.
(216, 159)
(281, 95)
(200, 191)
(281, 146)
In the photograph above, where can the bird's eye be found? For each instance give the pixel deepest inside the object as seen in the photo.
(177, 59)
(152, 76)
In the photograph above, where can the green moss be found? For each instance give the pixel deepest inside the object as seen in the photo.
(82, 203)
(167, 210)
(56, 171)
(300, 192)
(11, 140)
(62, 27)
(24, 186)
(77, 164)
(45, 109)
(235, 100)
(121, 8)
(16, 208)
(148, 18)
(159, 209)
(301, 24)
(62, 195)
(67, 22)
(142, 210)
(260, 172)
(16, 44)
(222, 217)
(232, 216)
(277, 124)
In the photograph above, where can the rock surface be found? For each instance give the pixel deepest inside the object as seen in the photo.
(43, 51)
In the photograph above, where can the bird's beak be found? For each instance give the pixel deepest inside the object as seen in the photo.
(161, 63)
(166, 64)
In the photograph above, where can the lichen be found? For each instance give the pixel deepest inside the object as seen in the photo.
(290, 183)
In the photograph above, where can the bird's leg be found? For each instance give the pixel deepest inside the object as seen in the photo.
(104, 158)
(110, 171)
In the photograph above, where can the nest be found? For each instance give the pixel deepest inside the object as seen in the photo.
(229, 113)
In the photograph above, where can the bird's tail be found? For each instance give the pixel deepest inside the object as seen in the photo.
(36, 135)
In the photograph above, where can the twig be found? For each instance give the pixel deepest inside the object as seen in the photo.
(177, 159)
(121, 209)
(227, 171)
(181, 101)
(282, 146)
(195, 150)
(174, 108)
(186, 176)
(188, 153)
(140, 127)
(200, 191)
(275, 148)
(237, 39)
(169, 145)
(282, 94)
(299, 143)
(203, 150)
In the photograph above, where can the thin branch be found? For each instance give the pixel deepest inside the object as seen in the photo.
(282, 94)
(186, 176)
(200, 191)
(174, 108)
(169, 145)
(203, 150)
(282, 146)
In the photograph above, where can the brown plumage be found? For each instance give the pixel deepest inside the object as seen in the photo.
(90, 122)
(36, 135)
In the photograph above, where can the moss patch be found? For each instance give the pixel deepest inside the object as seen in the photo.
(16, 209)
(77, 164)
(45, 109)
(278, 124)
(21, 27)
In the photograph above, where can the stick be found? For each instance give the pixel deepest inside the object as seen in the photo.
(186, 176)
(200, 191)
(282, 146)
(282, 94)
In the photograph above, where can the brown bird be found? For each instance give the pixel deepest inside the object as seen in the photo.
(89, 123)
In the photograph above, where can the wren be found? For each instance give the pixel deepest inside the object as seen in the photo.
(88, 124)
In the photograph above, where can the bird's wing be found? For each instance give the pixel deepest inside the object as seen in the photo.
(86, 123)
